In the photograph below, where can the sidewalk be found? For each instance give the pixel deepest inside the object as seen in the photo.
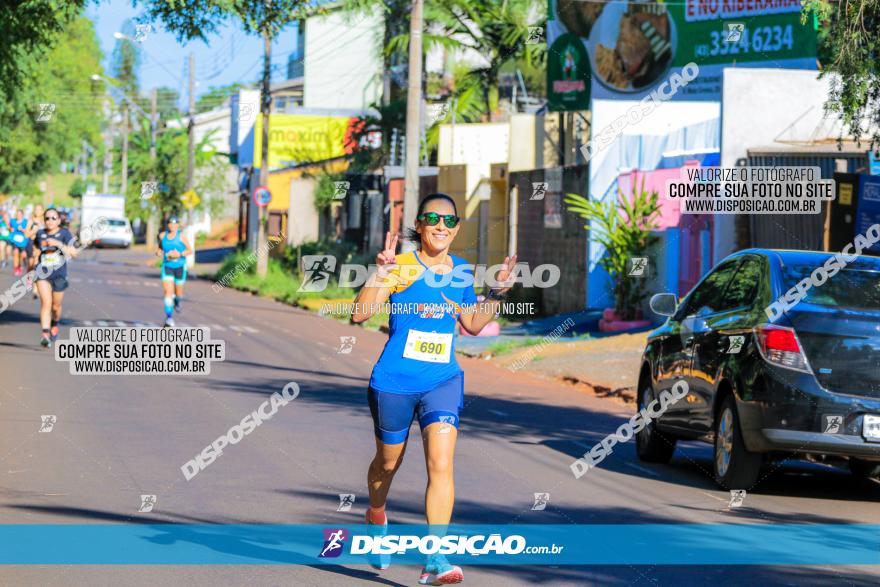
(606, 365)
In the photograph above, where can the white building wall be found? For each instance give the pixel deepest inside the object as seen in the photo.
(343, 65)
(767, 108)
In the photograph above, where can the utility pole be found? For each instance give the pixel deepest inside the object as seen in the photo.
(265, 103)
(413, 121)
(191, 127)
(108, 153)
(124, 186)
(151, 217)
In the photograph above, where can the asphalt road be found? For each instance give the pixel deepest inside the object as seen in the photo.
(117, 438)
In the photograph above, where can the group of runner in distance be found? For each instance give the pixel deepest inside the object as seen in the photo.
(415, 377)
(40, 244)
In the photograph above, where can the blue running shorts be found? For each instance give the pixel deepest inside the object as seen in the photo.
(393, 413)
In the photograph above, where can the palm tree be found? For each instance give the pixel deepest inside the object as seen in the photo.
(495, 29)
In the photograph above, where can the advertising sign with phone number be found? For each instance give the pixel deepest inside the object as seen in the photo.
(625, 50)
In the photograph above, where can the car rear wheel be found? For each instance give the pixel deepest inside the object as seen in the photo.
(864, 469)
(652, 446)
(735, 467)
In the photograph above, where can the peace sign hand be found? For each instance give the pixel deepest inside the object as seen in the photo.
(505, 277)
(386, 260)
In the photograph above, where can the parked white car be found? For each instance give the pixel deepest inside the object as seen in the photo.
(118, 234)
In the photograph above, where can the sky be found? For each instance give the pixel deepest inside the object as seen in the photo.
(230, 56)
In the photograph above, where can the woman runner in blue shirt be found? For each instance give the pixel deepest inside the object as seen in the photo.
(431, 291)
(173, 248)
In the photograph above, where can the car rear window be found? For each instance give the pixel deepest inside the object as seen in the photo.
(113, 222)
(857, 286)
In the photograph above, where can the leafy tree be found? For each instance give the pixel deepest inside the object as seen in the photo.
(169, 171)
(29, 30)
(497, 30)
(216, 96)
(849, 46)
(167, 104)
(54, 109)
(77, 188)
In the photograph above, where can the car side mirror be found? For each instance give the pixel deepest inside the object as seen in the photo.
(664, 304)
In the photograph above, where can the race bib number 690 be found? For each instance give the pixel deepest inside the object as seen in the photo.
(432, 347)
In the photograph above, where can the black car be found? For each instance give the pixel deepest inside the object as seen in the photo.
(805, 383)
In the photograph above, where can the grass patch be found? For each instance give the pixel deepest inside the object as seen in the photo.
(506, 346)
(239, 272)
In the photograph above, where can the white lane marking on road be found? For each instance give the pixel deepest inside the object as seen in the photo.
(642, 469)
(150, 284)
(140, 324)
(713, 496)
(114, 282)
(131, 283)
(75, 279)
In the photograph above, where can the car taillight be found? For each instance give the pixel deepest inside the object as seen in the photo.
(779, 345)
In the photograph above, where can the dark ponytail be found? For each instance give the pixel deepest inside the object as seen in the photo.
(410, 234)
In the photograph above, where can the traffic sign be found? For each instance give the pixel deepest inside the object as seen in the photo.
(190, 199)
(262, 196)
